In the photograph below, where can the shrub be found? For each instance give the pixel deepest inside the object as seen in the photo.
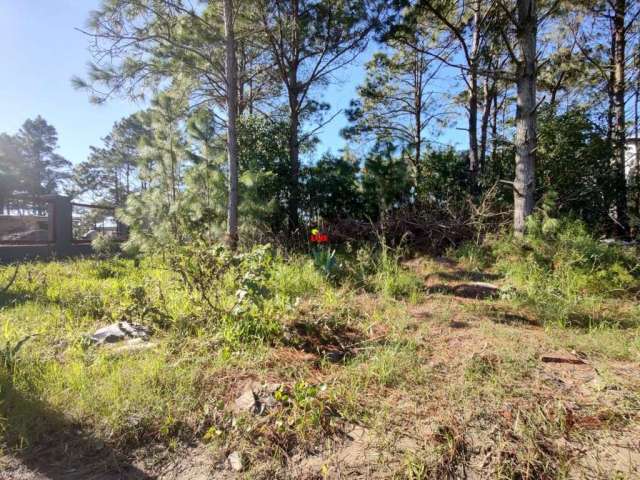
(104, 245)
(230, 290)
(567, 275)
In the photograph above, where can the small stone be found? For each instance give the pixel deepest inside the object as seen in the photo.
(117, 332)
(247, 402)
(234, 460)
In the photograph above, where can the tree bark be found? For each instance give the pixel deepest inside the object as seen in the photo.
(417, 105)
(294, 154)
(526, 121)
(610, 87)
(473, 102)
(294, 127)
(484, 122)
(473, 130)
(636, 145)
(619, 124)
(231, 77)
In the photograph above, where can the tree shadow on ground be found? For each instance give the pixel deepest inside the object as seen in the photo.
(478, 291)
(465, 275)
(507, 317)
(43, 444)
(14, 298)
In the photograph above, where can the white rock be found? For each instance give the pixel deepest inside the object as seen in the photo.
(234, 461)
(117, 332)
(247, 402)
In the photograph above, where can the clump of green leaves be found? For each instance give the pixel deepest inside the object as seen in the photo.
(307, 409)
(324, 259)
(104, 245)
(567, 275)
(230, 289)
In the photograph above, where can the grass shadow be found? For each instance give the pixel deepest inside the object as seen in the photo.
(507, 317)
(465, 275)
(478, 291)
(42, 443)
(14, 298)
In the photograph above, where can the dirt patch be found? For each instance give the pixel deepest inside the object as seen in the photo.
(352, 455)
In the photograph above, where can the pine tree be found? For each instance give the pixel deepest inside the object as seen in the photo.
(43, 170)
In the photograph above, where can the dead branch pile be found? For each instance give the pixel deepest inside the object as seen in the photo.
(427, 227)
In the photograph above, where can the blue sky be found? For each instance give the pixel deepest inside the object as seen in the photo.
(41, 51)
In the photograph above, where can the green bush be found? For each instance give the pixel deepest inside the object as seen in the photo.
(231, 291)
(567, 275)
(104, 245)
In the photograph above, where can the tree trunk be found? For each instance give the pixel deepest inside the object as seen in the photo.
(526, 128)
(484, 122)
(417, 112)
(473, 131)
(619, 126)
(294, 153)
(494, 127)
(610, 87)
(418, 152)
(473, 102)
(636, 149)
(294, 127)
(117, 187)
(232, 117)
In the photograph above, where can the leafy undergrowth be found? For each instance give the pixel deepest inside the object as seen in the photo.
(422, 370)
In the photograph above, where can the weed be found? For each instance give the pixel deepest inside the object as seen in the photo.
(395, 365)
(481, 367)
(394, 281)
(567, 276)
(527, 449)
(471, 256)
(324, 259)
(446, 459)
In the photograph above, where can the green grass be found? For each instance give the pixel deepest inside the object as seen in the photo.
(570, 278)
(347, 350)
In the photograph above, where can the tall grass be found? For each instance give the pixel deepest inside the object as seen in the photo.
(155, 392)
(569, 277)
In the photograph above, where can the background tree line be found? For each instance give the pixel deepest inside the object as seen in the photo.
(545, 93)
